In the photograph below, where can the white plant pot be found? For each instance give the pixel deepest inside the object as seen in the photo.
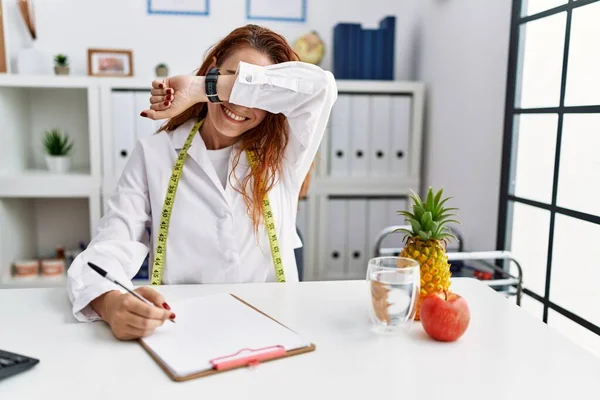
(58, 164)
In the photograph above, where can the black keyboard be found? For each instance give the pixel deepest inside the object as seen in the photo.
(11, 364)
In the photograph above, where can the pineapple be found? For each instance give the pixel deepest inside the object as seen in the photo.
(426, 242)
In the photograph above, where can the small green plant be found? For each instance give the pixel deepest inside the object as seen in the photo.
(56, 143)
(161, 65)
(61, 60)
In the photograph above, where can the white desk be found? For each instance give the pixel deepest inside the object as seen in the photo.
(505, 353)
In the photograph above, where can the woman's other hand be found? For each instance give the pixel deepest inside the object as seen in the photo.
(128, 317)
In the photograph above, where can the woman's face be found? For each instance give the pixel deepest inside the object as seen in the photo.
(232, 120)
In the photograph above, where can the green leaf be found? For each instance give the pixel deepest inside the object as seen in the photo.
(407, 214)
(415, 225)
(434, 226)
(423, 235)
(438, 196)
(416, 199)
(426, 219)
(405, 231)
(418, 212)
(448, 221)
(430, 206)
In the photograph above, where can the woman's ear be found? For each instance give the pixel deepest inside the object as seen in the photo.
(213, 62)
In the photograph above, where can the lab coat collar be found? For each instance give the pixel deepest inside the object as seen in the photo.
(199, 154)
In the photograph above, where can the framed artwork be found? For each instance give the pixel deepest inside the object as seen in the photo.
(178, 7)
(276, 10)
(3, 58)
(110, 62)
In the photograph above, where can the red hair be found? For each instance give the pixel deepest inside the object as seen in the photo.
(269, 139)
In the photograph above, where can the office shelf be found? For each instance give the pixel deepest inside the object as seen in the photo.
(9, 282)
(40, 183)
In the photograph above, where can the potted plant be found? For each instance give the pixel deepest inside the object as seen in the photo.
(58, 148)
(162, 70)
(61, 64)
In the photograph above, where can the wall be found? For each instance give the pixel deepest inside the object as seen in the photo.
(73, 26)
(464, 60)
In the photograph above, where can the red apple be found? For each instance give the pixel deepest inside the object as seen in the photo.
(445, 316)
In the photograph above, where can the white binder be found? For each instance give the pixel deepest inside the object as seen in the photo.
(337, 223)
(379, 158)
(124, 129)
(302, 220)
(401, 126)
(144, 126)
(393, 206)
(378, 219)
(361, 134)
(358, 253)
(340, 136)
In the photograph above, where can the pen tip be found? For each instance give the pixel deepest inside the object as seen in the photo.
(97, 269)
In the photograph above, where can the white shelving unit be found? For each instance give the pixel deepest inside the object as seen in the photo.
(39, 210)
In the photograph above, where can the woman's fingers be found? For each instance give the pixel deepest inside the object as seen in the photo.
(158, 84)
(160, 106)
(146, 324)
(162, 92)
(160, 99)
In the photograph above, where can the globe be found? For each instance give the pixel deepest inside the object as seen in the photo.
(310, 48)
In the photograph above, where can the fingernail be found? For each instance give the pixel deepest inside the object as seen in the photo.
(172, 316)
(160, 85)
(166, 103)
(143, 114)
(169, 98)
(166, 306)
(170, 91)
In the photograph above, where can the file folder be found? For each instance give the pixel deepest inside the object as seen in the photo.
(358, 253)
(361, 133)
(337, 223)
(401, 127)
(340, 137)
(124, 129)
(381, 136)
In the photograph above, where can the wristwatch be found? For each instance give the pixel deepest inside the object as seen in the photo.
(210, 84)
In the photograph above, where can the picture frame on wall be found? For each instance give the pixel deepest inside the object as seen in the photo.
(110, 62)
(179, 7)
(276, 10)
(4, 67)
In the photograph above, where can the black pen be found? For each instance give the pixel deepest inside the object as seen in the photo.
(109, 277)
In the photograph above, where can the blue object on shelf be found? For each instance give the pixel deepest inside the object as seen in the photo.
(364, 53)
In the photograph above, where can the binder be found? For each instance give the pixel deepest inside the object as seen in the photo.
(341, 45)
(144, 126)
(380, 134)
(219, 333)
(124, 129)
(358, 252)
(336, 249)
(340, 137)
(401, 127)
(302, 219)
(369, 39)
(388, 27)
(355, 51)
(393, 206)
(377, 220)
(360, 128)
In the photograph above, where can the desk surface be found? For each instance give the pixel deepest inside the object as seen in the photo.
(505, 352)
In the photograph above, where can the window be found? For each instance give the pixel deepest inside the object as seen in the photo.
(550, 185)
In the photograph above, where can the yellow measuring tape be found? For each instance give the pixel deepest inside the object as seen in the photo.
(161, 240)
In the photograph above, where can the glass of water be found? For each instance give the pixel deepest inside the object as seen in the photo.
(394, 285)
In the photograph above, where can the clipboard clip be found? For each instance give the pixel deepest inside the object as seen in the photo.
(247, 357)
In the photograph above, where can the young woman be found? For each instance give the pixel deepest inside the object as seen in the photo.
(227, 212)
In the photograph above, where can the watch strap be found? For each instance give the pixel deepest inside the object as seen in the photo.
(210, 83)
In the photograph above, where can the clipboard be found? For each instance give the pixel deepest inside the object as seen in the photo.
(244, 357)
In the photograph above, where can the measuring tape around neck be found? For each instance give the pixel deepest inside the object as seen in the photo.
(160, 253)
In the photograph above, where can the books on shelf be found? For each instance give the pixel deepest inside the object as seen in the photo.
(364, 53)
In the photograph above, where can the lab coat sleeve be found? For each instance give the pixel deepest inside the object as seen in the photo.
(303, 92)
(117, 246)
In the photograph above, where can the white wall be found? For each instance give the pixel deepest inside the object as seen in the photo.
(464, 60)
(73, 26)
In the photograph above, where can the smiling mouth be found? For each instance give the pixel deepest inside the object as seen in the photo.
(231, 115)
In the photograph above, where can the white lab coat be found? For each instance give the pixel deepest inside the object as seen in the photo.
(211, 237)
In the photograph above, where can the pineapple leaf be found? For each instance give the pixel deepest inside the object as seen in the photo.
(426, 219)
(447, 221)
(407, 214)
(434, 227)
(405, 231)
(419, 211)
(429, 201)
(423, 235)
(416, 200)
(438, 196)
(415, 225)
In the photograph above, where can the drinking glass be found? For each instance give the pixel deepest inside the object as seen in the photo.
(394, 284)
